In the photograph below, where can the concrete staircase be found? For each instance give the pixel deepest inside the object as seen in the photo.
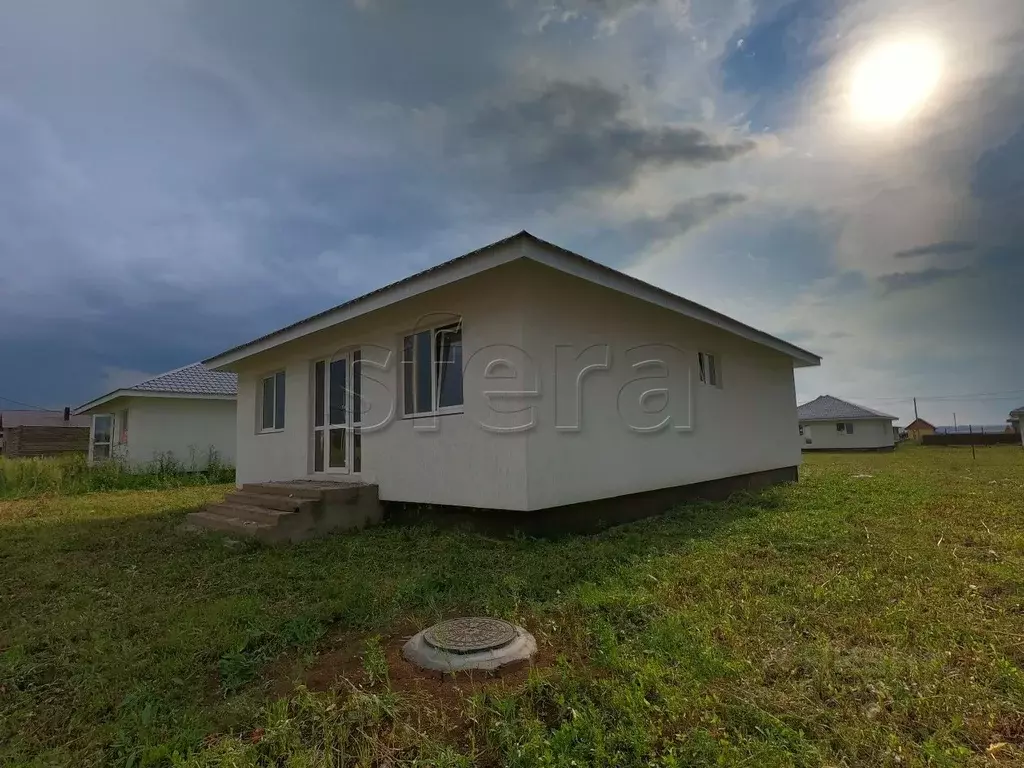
(291, 511)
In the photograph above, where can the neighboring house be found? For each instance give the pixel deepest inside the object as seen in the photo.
(918, 428)
(187, 415)
(830, 424)
(42, 433)
(520, 376)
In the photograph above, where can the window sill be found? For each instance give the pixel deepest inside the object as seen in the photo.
(445, 412)
(270, 431)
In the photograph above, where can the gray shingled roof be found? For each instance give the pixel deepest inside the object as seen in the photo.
(828, 408)
(195, 379)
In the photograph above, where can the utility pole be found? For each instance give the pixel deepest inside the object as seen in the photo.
(915, 409)
(954, 422)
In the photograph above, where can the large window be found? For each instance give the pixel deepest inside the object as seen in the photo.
(102, 432)
(272, 411)
(432, 371)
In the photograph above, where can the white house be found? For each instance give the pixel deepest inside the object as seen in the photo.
(520, 376)
(830, 424)
(187, 415)
(1016, 422)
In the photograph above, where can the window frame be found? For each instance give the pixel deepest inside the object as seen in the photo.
(709, 363)
(261, 388)
(109, 442)
(435, 371)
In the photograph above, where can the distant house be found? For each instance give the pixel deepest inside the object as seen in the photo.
(1016, 421)
(187, 415)
(830, 424)
(918, 428)
(42, 433)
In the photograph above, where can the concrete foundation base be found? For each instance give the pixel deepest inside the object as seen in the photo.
(587, 516)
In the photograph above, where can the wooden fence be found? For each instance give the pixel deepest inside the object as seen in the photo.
(44, 441)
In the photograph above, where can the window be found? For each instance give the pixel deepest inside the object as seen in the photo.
(432, 371)
(708, 366)
(845, 426)
(102, 431)
(122, 422)
(801, 428)
(272, 412)
(849, 427)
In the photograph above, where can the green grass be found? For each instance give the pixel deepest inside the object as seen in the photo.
(871, 615)
(71, 474)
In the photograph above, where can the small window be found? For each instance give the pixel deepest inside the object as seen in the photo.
(707, 365)
(122, 421)
(272, 411)
(849, 427)
(840, 427)
(432, 371)
(801, 428)
(102, 434)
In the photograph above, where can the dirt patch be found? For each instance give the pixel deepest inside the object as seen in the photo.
(340, 667)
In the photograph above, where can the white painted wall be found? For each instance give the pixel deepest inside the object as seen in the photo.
(747, 425)
(186, 428)
(867, 433)
(450, 460)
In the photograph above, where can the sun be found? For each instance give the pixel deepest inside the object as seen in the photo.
(894, 79)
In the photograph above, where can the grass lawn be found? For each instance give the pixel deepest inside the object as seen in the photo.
(871, 615)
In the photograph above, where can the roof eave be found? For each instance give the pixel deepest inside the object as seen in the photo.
(93, 404)
(492, 256)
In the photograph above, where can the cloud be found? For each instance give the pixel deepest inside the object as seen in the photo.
(567, 136)
(123, 378)
(943, 248)
(681, 218)
(905, 281)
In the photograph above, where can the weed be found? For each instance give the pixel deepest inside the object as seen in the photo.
(375, 662)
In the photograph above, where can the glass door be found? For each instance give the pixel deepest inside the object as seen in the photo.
(331, 415)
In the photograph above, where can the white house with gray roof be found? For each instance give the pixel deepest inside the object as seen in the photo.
(830, 424)
(187, 415)
(518, 377)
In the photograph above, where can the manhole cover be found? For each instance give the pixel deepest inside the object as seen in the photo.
(470, 635)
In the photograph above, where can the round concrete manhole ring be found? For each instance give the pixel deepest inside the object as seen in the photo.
(468, 635)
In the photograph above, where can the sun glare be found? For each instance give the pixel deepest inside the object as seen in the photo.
(894, 79)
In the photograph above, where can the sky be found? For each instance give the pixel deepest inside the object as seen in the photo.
(180, 176)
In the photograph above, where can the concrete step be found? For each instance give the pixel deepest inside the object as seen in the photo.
(213, 522)
(231, 508)
(270, 501)
(301, 489)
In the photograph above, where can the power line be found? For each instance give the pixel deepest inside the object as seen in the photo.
(1010, 394)
(26, 405)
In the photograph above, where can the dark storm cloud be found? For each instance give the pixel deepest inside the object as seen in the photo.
(943, 248)
(570, 136)
(905, 281)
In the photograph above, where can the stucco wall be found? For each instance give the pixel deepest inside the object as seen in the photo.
(448, 460)
(867, 433)
(748, 424)
(185, 428)
(520, 313)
